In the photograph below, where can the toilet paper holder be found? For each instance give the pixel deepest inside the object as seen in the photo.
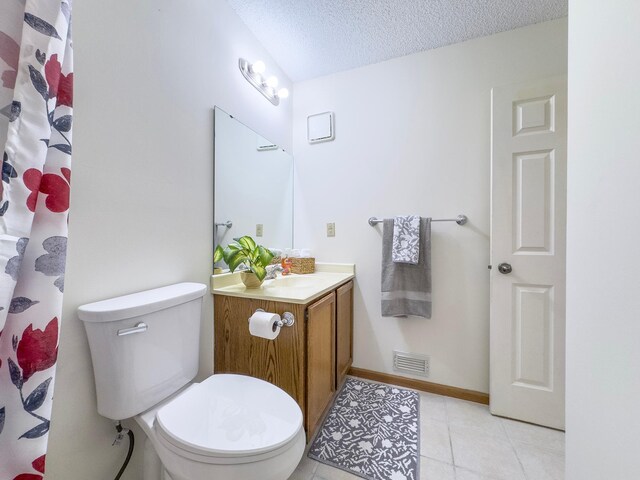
(286, 320)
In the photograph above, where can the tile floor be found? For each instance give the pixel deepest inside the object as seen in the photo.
(462, 441)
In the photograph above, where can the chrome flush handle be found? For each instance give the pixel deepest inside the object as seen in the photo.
(139, 328)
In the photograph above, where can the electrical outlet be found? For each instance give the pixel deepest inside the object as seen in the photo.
(331, 229)
(259, 230)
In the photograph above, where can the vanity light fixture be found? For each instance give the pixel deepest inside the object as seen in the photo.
(253, 72)
(258, 67)
(272, 81)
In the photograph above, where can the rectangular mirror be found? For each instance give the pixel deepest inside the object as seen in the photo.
(253, 186)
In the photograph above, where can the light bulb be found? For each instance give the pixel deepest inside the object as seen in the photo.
(272, 81)
(283, 93)
(258, 67)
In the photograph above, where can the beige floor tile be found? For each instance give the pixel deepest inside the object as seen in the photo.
(539, 463)
(434, 440)
(434, 470)
(300, 475)
(305, 469)
(474, 415)
(326, 472)
(534, 435)
(485, 454)
(481, 446)
(433, 407)
(463, 474)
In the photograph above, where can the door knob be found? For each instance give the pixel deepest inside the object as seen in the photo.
(505, 268)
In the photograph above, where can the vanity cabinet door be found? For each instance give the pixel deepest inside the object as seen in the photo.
(344, 331)
(321, 322)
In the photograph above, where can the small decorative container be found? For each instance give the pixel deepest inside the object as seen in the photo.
(250, 280)
(303, 265)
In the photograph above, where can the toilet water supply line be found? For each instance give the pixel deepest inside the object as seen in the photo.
(120, 435)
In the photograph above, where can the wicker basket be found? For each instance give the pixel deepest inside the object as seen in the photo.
(303, 265)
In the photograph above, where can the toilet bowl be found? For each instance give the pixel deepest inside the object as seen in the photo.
(144, 349)
(227, 427)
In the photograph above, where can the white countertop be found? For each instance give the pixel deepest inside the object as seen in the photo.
(292, 288)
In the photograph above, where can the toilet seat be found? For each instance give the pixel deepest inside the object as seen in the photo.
(229, 419)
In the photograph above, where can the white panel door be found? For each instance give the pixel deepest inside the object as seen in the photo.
(528, 243)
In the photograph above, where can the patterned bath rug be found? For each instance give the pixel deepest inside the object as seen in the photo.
(372, 431)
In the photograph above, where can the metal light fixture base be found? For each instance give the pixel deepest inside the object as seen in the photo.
(257, 81)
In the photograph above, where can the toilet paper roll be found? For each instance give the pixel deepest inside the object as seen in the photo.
(265, 325)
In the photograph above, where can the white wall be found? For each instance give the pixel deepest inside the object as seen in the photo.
(412, 136)
(148, 74)
(603, 305)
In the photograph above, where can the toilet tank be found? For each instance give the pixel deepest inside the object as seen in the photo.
(144, 346)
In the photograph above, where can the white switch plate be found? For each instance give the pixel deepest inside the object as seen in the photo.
(259, 230)
(331, 229)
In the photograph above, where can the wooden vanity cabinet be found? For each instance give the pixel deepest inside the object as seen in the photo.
(321, 358)
(344, 331)
(280, 362)
(308, 360)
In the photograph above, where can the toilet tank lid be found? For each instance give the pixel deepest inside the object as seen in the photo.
(141, 303)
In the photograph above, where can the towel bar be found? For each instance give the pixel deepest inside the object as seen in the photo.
(460, 220)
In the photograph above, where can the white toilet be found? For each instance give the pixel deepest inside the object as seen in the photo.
(144, 349)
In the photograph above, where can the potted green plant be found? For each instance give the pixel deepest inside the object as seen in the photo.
(244, 250)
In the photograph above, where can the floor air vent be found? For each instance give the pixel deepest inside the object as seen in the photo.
(411, 363)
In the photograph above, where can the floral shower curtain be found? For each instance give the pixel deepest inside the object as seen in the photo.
(36, 82)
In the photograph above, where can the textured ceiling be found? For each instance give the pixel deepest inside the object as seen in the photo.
(310, 38)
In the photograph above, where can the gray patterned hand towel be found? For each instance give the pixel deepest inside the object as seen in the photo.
(406, 239)
(406, 288)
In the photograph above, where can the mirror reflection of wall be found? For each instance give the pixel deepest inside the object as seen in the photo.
(253, 186)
